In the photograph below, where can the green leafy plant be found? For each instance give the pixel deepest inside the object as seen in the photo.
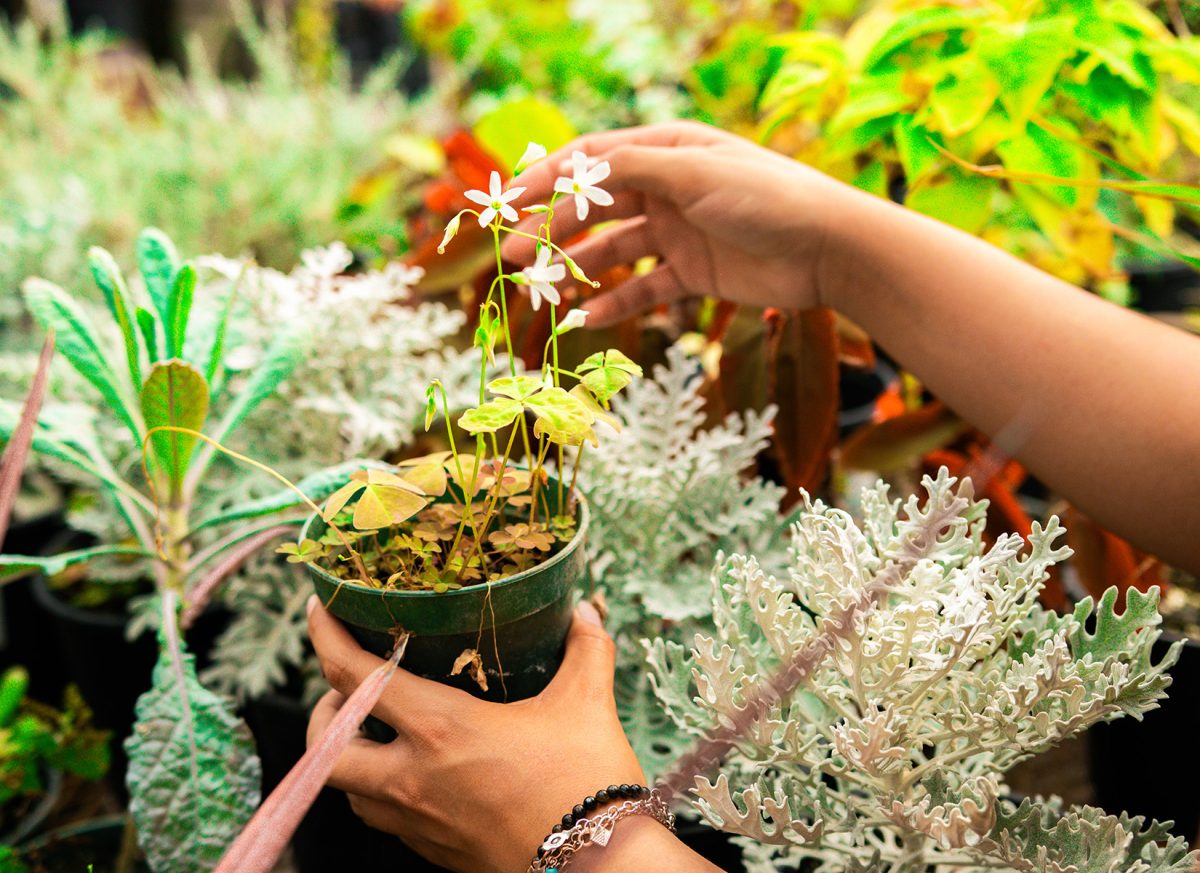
(446, 520)
(1041, 127)
(37, 740)
(938, 672)
(168, 397)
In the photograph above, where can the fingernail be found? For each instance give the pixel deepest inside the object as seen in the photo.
(311, 604)
(587, 612)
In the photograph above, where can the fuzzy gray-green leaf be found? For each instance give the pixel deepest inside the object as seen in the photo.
(194, 780)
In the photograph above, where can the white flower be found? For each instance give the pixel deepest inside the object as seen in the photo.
(583, 184)
(575, 318)
(541, 278)
(533, 152)
(451, 232)
(496, 200)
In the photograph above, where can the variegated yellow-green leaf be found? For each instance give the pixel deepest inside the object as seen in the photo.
(599, 413)
(175, 395)
(515, 387)
(491, 416)
(561, 418)
(385, 500)
(430, 478)
(607, 373)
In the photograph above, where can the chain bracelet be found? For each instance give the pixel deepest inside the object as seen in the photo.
(558, 848)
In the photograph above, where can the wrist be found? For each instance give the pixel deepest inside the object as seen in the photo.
(850, 216)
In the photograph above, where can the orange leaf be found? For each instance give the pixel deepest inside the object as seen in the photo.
(900, 441)
(802, 380)
(1104, 560)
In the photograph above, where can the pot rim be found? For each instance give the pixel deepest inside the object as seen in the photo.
(583, 518)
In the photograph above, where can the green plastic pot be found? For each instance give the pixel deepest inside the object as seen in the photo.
(526, 620)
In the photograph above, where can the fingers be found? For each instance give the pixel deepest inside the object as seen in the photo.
(346, 664)
(566, 225)
(588, 665)
(659, 286)
(539, 179)
(362, 766)
(625, 244)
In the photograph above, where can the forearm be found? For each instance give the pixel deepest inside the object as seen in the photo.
(640, 843)
(1099, 402)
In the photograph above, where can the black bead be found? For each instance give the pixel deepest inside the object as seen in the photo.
(578, 811)
(557, 829)
(568, 820)
(602, 796)
(614, 791)
(645, 791)
(624, 790)
(589, 803)
(541, 851)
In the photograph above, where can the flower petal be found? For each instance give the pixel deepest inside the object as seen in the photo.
(494, 185)
(485, 217)
(508, 213)
(596, 174)
(549, 292)
(581, 207)
(533, 152)
(563, 185)
(511, 194)
(477, 196)
(555, 273)
(579, 162)
(598, 196)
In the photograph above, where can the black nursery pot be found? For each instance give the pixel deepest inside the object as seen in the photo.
(93, 845)
(1160, 781)
(529, 615)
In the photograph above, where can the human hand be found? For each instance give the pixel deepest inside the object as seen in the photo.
(471, 785)
(726, 219)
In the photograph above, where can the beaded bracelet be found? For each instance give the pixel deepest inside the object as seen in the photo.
(577, 831)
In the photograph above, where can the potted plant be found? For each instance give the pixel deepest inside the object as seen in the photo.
(473, 554)
(39, 747)
(169, 396)
(883, 687)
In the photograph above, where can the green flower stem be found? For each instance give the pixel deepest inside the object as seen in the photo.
(508, 344)
(450, 431)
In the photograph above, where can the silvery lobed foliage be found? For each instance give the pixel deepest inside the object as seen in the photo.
(358, 394)
(891, 756)
(667, 496)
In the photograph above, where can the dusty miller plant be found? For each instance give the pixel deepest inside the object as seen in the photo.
(891, 757)
(667, 497)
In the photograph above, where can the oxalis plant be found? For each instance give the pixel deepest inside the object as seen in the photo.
(166, 402)
(476, 516)
(940, 672)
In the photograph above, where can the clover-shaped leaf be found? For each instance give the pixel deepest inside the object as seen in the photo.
(599, 413)
(303, 552)
(491, 416)
(386, 499)
(606, 373)
(561, 417)
(516, 387)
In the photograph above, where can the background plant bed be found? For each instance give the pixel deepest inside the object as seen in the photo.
(524, 618)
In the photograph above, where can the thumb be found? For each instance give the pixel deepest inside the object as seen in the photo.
(590, 659)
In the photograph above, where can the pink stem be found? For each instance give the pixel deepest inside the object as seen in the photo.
(13, 463)
(199, 595)
(258, 847)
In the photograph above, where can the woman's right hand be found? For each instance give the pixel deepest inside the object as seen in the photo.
(725, 218)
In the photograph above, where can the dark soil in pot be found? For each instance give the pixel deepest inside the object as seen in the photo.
(1150, 767)
(330, 838)
(92, 846)
(524, 617)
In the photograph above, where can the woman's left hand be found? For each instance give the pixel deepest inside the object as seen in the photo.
(476, 786)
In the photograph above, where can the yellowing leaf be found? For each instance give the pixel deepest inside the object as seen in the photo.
(561, 418)
(385, 500)
(491, 416)
(607, 373)
(429, 478)
(515, 387)
(175, 395)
